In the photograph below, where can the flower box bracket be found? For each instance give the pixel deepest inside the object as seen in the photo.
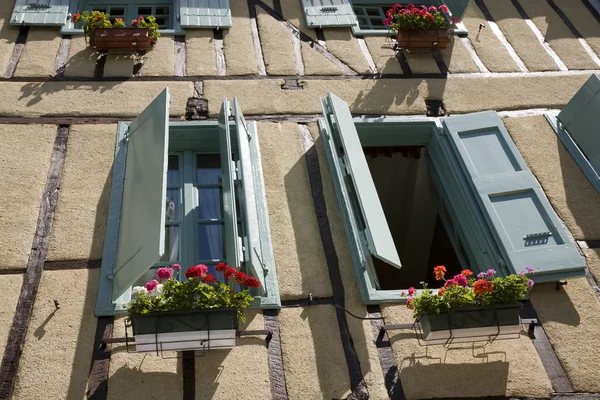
(462, 326)
(167, 334)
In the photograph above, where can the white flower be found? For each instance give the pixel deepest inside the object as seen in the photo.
(125, 305)
(138, 290)
(157, 291)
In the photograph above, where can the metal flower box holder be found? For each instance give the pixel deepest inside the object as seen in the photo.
(202, 330)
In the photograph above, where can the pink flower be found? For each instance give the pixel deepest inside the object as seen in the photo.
(530, 283)
(529, 269)
(432, 9)
(411, 291)
(461, 280)
(176, 266)
(410, 5)
(151, 285)
(164, 273)
(444, 9)
(521, 273)
(135, 22)
(455, 20)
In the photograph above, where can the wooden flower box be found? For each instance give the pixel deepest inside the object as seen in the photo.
(122, 38)
(185, 330)
(471, 324)
(422, 38)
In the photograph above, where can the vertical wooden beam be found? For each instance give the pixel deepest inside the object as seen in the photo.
(260, 61)
(98, 378)
(188, 364)
(61, 57)
(35, 266)
(17, 50)
(274, 357)
(221, 65)
(180, 56)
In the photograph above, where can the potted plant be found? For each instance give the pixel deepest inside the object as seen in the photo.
(197, 313)
(470, 307)
(104, 34)
(420, 27)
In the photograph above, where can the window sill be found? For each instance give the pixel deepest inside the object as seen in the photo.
(163, 32)
(460, 31)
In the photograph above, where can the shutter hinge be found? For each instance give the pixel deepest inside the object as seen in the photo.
(264, 267)
(329, 9)
(127, 134)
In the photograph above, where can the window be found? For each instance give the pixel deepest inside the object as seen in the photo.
(185, 193)
(171, 15)
(415, 194)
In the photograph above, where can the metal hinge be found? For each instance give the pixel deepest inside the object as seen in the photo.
(537, 235)
(328, 9)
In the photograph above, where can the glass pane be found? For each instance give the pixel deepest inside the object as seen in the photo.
(101, 9)
(172, 205)
(209, 203)
(117, 11)
(173, 170)
(144, 11)
(210, 242)
(208, 169)
(377, 22)
(363, 23)
(162, 10)
(373, 12)
(171, 244)
(162, 22)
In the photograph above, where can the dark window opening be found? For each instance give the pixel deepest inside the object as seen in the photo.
(405, 189)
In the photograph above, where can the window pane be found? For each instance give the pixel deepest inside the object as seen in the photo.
(162, 22)
(208, 169)
(117, 11)
(373, 12)
(171, 244)
(210, 242)
(162, 10)
(173, 170)
(172, 205)
(144, 11)
(209, 203)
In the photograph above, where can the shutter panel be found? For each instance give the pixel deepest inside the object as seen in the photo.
(205, 14)
(252, 242)
(377, 231)
(581, 119)
(142, 228)
(457, 7)
(228, 168)
(40, 12)
(526, 226)
(328, 13)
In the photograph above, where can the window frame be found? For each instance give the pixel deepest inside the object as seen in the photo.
(77, 6)
(182, 137)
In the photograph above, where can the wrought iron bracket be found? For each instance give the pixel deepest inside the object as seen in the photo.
(559, 284)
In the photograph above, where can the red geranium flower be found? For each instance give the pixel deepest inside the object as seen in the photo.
(466, 272)
(482, 286)
(196, 271)
(74, 17)
(252, 282)
(241, 278)
(208, 278)
(221, 267)
(228, 272)
(439, 272)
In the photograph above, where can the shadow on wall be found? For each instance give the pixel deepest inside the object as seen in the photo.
(35, 92)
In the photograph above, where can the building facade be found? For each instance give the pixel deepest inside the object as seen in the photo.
(293, 82)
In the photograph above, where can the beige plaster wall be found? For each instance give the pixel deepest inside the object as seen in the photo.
(140, 375)
(118, 65)
(593, 262)
(24, 163)
(571, 317)
(297, 246)
(583, 20)
(570, 193)
(239, 373)
(520, 36)
(11, 288)
(502, 368)
(558, 35)
(342, 44)
(111, 99)
(238, 45)
(81, 61)
(201, 58)
(58, 349)
(489, 49)
(276, 42)
(313, 357)
(80, 218)
(457, 58)
(39, 54)
(360, 330)
(8, 35)
(161, 60)
(383, 55)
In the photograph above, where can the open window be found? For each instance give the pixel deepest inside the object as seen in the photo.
(185, 193)
(171, 15)
(458, 194)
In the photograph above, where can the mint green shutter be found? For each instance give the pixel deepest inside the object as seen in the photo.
(581, 119)
(526, 226)
(204, 14)
(40, 12)
(457, 7)
(228, 170)
(328, 13)
(253, 251)
(142, 227)
(377, 232)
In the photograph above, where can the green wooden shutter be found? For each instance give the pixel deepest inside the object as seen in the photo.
(253, 251)
(142, 227)
(528, 230)
(228, 169)
(40, 12)
(204, 14)
(377, 231)
(581, 118)
(457, 7)
(328, 13)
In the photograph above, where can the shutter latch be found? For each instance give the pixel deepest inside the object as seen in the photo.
(537, 235)
(329, 9)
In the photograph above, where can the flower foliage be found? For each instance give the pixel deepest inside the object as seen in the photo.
(401, 17)
(97, 19)
(464, 290)
(200, 291)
